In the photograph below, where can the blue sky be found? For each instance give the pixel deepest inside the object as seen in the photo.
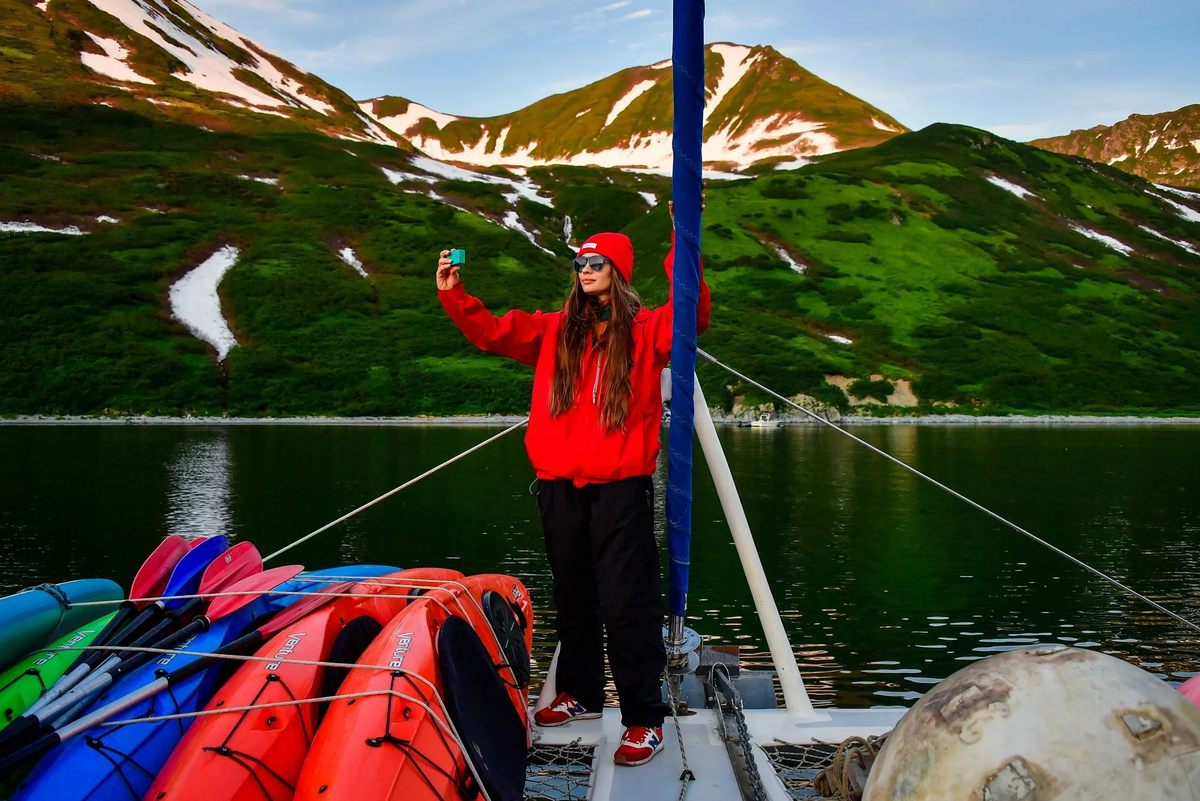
(1020, 68)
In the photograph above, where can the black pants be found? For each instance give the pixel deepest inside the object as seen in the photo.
(600, 542)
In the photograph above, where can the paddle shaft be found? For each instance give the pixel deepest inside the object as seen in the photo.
(37, 748)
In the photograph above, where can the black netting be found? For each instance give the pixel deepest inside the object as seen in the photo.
(559, 772)
(797, 765)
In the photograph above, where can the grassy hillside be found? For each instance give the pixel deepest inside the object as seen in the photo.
(987, 301)
(41, 52)
(1159, 147)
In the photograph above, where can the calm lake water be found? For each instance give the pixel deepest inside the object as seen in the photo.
(887, 585)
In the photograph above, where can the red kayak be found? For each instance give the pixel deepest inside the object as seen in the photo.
(445, 709)
(256, 755)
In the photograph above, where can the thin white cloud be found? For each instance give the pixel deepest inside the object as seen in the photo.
(645, 12)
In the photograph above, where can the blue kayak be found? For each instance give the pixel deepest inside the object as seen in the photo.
(120, 762)
(33, 617)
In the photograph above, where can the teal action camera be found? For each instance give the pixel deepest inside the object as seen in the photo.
(458, 258)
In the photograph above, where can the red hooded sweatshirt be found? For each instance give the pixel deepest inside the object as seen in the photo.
(575, 444)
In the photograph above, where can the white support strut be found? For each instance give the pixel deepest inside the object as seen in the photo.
(795, 696)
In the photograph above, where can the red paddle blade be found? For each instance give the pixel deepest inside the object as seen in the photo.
(237, 563)
(256, 585)
(304, 607)
(151, 579)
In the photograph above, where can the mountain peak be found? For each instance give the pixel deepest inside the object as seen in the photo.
(761, 107)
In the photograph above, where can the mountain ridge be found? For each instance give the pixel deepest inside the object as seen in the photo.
(1162, 147)
(762, 108)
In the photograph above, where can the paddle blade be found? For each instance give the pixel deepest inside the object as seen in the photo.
(151, 580)
(256, 585)
(304, 607)
(237, 563)
(185, 578)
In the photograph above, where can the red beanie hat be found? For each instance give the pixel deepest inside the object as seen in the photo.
(615, 247)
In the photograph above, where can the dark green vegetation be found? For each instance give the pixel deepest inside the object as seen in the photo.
(985, 300)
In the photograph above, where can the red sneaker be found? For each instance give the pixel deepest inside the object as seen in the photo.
(564, 710)
(639, 745)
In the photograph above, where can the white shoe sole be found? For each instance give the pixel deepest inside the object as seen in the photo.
(619, 760)
(581, 716)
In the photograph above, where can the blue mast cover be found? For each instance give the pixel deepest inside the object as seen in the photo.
(688, 66)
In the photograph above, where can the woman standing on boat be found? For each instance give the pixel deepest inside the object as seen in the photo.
(593, 440)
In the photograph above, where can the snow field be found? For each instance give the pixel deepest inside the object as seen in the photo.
(512, 221)
(1105, 239)
(1186, 246)
(1009, 186)
(207, 67)
(195, 303)
(260, 179)
(650, 198)
(795, 265)
(112, 63)
(841, 340)
(33, 228)
(346, 254)
(628, 98)
(1186, 212)
(735, 66)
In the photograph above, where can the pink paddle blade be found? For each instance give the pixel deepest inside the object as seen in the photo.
(151, 579)
(256, 585)
(304, 607)
(237, 563)
(1191, 689)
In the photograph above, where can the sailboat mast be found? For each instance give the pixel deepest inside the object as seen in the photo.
(688, 67)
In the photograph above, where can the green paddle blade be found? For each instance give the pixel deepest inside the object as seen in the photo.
(25, 681)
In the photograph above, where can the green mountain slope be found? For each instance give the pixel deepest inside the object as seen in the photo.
(762, 107)
(1164, 148)
(168, 59)
(915, 254)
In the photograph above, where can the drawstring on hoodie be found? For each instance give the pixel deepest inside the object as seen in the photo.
(596, 384)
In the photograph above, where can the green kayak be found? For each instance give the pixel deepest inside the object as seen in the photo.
(25, 681)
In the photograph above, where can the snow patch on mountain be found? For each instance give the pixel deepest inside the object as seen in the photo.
(402, 123)
(195, 303)
(511, 220)
(346, 254)
(1185, 245)
(112, 63)
(799, 137)
(521, 187)
(1104, 239)
(790, 262)
(207, 67)
(883, 126)
(650, 198)
(628, 98)
(104, 218)
(1186, 212)
(1118, 159)
(1009, 186)
(42, 6)
(735, 66)
(1187, 193)
(33, 228)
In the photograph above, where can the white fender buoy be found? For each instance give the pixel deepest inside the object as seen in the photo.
(1046, 723)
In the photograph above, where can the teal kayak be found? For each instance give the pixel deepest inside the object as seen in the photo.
(34, 617)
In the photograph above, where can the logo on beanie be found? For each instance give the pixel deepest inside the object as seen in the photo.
(587, 245)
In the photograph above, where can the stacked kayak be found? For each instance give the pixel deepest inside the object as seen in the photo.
(365, 682)
(34, 617)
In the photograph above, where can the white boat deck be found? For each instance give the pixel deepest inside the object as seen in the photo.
(706, 752)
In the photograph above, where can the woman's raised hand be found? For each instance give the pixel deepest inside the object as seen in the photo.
(703, 198)
(447, 275)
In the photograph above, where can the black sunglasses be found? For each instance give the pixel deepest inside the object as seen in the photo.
(595, 261)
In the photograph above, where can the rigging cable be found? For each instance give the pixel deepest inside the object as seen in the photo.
(713, 360)
(392, 492)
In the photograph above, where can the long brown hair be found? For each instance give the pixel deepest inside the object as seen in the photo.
(582, 315)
